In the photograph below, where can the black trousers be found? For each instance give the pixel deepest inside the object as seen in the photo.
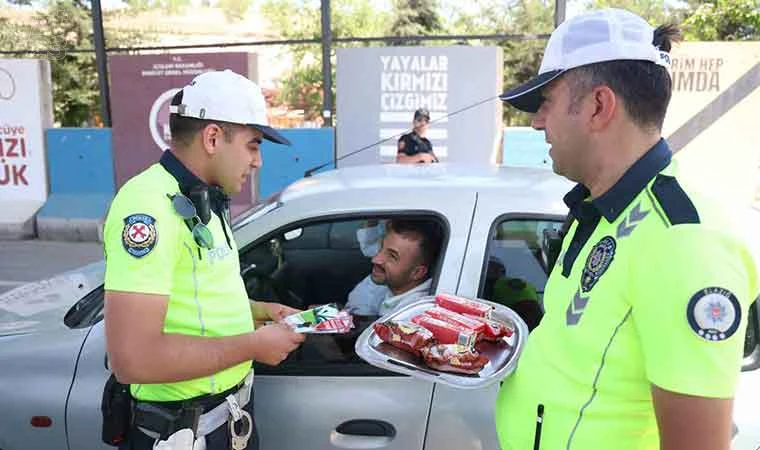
(218, 439)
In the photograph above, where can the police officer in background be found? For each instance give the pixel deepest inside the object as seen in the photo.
(414, 147)
(646, 308)
(179, 324)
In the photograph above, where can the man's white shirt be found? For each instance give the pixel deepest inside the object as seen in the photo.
(370, 299)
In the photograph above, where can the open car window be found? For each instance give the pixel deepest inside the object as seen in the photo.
(315, 263)
(515, 268)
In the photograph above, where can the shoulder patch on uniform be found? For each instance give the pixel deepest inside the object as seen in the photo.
(599, 259)
(675, 202)
(139, 235)
(714, 313)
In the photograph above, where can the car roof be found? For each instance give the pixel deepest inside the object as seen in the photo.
(476, 178)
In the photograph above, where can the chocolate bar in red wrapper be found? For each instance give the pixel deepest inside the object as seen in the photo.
(446, 333)
(463, 305)
(404, 335)
(494, 329)
(342, 323)
(457, 319)
(454, 358)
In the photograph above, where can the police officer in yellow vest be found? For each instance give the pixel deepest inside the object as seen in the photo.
(646, 310)
(179, 324)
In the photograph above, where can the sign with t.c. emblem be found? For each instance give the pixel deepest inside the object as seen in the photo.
(139, 235)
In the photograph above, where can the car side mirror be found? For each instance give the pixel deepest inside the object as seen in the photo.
(752, 340)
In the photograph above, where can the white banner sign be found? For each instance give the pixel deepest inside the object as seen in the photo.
(25, 113)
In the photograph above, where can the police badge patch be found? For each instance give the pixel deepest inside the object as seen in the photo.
(714, 313)
(597, 262)
(139, 235)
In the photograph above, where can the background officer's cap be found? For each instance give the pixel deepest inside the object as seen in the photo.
(422, 113)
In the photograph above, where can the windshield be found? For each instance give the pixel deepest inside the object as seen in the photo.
(260, 209)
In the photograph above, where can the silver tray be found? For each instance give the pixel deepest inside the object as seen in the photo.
(502, 358)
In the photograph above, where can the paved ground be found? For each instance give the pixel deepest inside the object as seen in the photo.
(31, 260)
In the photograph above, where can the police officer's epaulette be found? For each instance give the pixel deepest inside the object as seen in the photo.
(674, 201)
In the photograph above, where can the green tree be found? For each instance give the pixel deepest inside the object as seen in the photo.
(60, 32)
(412, 18)
(301, 19)
(723, 20)
(529, 20)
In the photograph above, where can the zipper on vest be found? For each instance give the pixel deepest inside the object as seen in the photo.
(539, 423)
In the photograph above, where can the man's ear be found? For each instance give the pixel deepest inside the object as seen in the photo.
(211, 136)
(419, 272)
(604, 103)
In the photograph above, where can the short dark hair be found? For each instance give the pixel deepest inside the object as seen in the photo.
(422, 113)
(183, 129)
(644, 87)
(429, 233)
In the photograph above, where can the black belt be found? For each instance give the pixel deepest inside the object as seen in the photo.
(168, 417)
(206, 402)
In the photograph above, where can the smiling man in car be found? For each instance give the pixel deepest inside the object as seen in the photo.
(409, 249)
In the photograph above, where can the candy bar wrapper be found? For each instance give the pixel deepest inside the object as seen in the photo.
(404, 335)
(453, 318)
(323, 319)
(463, 305)
(494, 329)
(446, 333)
(454, 358)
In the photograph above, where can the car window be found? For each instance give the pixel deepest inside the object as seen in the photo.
(311, 264)
(515, 268)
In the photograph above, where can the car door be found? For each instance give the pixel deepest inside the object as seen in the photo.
(341, 402)
(83, 415)
(504, 233)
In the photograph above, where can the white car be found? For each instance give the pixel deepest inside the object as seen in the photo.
(300, 248)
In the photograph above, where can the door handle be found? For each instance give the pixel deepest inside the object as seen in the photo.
(363, 434)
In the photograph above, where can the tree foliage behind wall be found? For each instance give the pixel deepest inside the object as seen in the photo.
(301, 19)
(60, 28)
(66, 24)
(413, 18)
(724, 20)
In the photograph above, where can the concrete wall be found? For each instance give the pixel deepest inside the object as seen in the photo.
(81, 176)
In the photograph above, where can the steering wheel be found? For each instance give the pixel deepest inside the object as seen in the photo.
(282, 292)
(267, 279)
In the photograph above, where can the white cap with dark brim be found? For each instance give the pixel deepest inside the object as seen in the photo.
(527, 96)
(227, 97)
(597, 36)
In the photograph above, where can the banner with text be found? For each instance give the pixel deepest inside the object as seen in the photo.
(142, 87)
(25, 112)
(378, 90)
(711, 122)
